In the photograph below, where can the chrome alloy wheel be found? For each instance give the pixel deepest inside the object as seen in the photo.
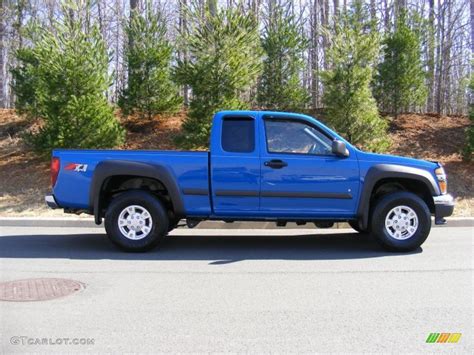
(401, 222)
(135, 222)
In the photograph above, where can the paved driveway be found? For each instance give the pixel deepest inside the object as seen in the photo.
(240, 291)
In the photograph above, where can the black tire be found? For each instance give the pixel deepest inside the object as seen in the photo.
(384, 206)
(144, 200)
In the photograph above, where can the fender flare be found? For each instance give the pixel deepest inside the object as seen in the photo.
(383, 171)
(109, 168)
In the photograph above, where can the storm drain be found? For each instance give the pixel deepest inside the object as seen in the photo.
(38, 289)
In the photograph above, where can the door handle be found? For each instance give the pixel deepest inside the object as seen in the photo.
(275, 164)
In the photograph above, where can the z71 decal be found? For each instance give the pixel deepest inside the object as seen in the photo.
(76, 167)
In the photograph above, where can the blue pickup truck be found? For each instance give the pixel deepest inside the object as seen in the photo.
(267, 166)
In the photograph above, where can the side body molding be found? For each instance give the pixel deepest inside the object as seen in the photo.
(393, 171)
(110, 168)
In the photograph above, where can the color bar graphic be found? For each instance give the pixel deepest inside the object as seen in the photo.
(443, 337)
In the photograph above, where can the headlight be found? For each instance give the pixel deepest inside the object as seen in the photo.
(442, 180)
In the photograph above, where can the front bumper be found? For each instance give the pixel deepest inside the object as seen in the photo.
(444, 207)
(51, 201)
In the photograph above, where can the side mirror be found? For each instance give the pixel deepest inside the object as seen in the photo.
(339, 148)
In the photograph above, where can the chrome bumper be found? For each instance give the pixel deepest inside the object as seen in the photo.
(444, 207)
(50, 201)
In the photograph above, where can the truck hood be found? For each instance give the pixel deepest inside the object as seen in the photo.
(395, 159)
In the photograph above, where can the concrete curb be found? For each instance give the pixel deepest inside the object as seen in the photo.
(79, 222)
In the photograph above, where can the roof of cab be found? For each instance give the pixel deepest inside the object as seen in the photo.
(286, 115)
(256, 112)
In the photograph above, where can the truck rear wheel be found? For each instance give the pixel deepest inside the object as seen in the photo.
(136, 221)
(401, 221)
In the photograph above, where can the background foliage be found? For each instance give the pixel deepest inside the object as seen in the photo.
(150, 55)
(280, 87)
(350, 106)
(150, 88)
(400, 84)
(62, 79)
(225, 62)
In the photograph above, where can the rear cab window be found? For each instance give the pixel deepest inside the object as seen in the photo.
(238, 134)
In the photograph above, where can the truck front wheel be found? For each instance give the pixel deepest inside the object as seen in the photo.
(136, 221)
(400, 221)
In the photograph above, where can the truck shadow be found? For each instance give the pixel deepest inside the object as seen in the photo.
(217, 250)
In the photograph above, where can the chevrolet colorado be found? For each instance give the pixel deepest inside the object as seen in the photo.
(270, 166)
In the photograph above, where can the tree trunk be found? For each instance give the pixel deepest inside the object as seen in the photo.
(183, 29)
(324, 24)
(386, 16)
(101, 19)
(431, 55)
(400, 7)
(439, 58)
(447, 60)
(133, 7)
(472, 27)
(314, 55)
(373, 12)
(119, 44)
(212, 4)
(19, 9)
(51, 8)
(471, 100)
(255, 6)
(3, 98)
(20, 12)
(336, 15)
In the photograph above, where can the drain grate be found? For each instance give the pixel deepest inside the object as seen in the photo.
(38, 289)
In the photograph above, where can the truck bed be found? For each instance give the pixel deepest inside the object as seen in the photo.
(190, 169)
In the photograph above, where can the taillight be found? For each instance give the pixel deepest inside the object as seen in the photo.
(55, 164)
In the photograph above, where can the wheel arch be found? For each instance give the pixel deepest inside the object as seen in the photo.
(129, 170)
(406, 178)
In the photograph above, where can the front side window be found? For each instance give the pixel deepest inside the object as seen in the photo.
(238, 135)
(295, 137)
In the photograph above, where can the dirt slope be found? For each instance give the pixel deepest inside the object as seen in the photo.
(24, 178)
(438, 138)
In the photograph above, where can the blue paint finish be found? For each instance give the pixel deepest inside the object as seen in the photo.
(368, 160)
(237, 182)
(189, 168)
(309, 173)
(234, 171)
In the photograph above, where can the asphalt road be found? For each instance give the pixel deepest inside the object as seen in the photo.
(241, 291)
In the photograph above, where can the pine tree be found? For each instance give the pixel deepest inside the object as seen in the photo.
(401, 79)
(69, 71)
(349, 104)
(225, 61)
(25, 82)
(280, 87)
(150, 89)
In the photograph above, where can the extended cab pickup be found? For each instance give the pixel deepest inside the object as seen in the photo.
(270, 166)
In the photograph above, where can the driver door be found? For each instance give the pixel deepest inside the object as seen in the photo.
(300, 176)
